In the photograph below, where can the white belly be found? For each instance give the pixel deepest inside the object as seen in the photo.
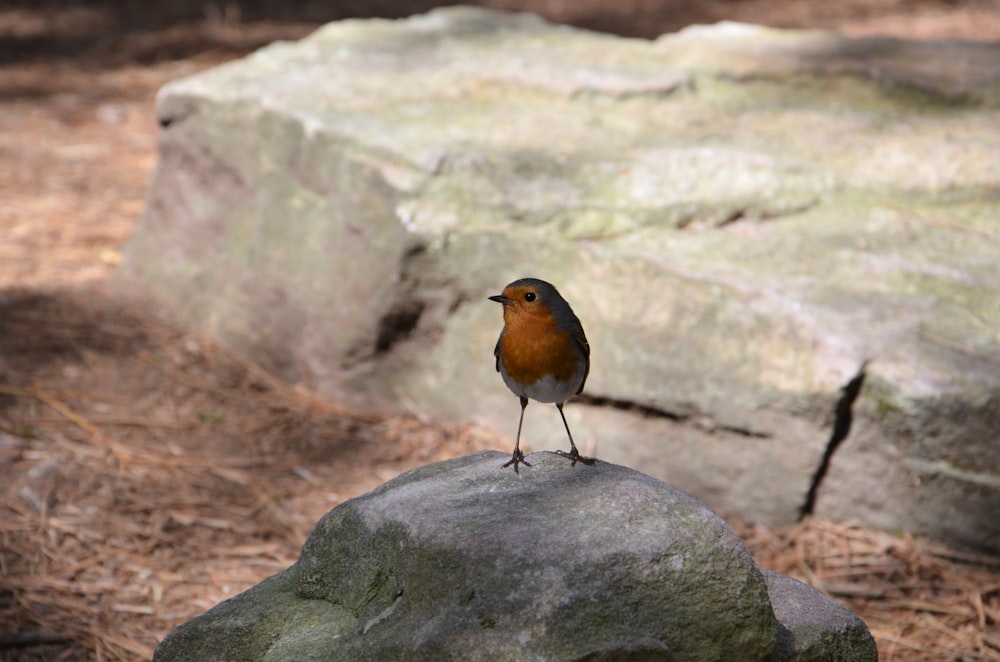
(546, 389)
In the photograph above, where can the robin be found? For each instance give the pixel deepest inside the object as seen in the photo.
(542, 353)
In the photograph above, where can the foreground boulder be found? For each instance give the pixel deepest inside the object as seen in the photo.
(465, 560)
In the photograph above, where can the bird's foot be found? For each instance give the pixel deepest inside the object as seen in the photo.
(574, 455)
(516, 459)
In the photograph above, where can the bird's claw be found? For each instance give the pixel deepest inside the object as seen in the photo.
(575, 456)
(516, 458)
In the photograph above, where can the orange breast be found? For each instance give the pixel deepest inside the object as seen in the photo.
(531, 349)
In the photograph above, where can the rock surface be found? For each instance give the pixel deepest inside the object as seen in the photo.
(741, 217)
(559, 562)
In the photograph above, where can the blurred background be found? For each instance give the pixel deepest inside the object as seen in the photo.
(49, 28)
(147, 473)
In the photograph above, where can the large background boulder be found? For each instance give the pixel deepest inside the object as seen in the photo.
(783, 245)
(466, 560)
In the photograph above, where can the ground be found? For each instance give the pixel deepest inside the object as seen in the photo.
(147, 473)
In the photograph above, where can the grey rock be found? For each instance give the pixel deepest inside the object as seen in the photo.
(741, 217)
(812, 627)
(465, 560)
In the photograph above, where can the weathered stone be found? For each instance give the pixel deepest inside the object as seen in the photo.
(741, 217)
(812, 627)
(561, 562)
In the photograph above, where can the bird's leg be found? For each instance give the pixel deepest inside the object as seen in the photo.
(518, 457)
(573, 454)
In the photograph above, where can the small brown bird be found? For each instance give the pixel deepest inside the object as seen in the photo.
(542, 353)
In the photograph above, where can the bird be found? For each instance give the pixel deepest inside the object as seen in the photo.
(542, 353)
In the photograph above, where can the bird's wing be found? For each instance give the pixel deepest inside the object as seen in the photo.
(496, 351)
(581, 342)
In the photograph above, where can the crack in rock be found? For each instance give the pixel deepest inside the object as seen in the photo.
(678, 417)
(400, 321)
(843, 418)
(628, 405)
(398, 324)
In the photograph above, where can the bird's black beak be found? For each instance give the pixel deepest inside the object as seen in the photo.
(499, 298)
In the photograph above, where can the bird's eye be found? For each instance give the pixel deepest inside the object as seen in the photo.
(529, 297)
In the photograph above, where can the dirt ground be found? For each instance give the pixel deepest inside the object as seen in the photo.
(147, 473)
